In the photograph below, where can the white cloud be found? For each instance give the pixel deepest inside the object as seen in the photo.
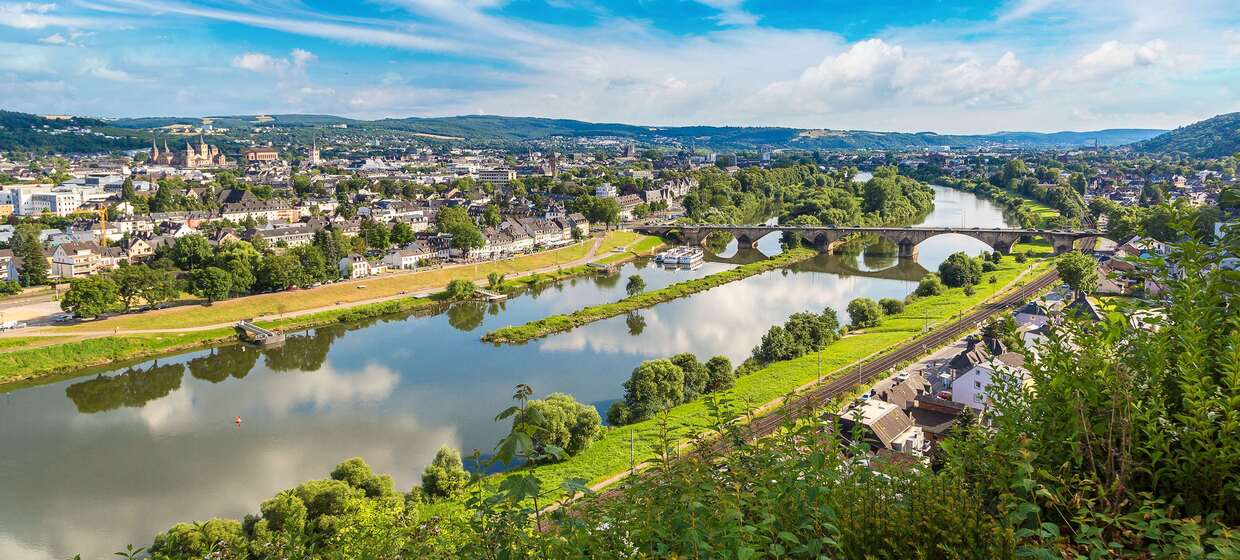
(69, 39)
(30, 15)
(1114, 57)
(296, 62)
(1231, 42)
(100, 68)
(731, 12)
(54, 39)
(873, 74)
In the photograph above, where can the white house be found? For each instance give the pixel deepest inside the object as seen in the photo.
(406, 258)
(354, 266)
(972, 388)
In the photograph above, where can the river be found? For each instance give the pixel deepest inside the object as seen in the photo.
(92, 463)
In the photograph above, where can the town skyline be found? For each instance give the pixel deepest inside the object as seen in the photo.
(973, 68)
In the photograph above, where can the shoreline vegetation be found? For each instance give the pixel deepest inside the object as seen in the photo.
(563, 322)
(22, 364)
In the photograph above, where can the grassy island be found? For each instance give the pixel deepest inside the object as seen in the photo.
(559, 323)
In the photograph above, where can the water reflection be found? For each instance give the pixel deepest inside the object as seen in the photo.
(133, 388)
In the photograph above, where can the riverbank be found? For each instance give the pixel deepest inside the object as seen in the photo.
(23, 360)
(559, 323)
(609, 458)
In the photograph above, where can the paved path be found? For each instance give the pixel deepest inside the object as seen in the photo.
(44, 332)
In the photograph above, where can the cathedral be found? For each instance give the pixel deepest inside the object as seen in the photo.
(202, 155)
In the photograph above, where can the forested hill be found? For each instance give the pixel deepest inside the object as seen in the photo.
(493, 129)
(1214, 137)
(32, 133)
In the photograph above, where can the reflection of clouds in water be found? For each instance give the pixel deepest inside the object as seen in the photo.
(727, 320)
(10, 548)
(97, 507)
(274, 394)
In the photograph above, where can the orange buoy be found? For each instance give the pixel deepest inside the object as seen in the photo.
(238, 420)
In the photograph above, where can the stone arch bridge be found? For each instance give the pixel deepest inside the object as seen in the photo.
(827, 238)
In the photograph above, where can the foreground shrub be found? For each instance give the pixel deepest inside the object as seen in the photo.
(891, 306)
(930, 285)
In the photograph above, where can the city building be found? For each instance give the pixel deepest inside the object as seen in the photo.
(500, 178)
(202, 155)
(261, 154)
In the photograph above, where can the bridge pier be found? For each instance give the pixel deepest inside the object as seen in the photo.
(907, 249)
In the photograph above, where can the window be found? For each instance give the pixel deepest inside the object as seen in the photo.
(978, 397)
(977, 384)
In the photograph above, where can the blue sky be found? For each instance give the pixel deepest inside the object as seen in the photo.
(900, 66)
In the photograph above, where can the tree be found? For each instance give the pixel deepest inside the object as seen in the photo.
(127, 190)
(445, 477)
(1079, 271)
(161, 287)
(456, 222)
(459, 289)
(636, 285)
(495, 280)
(490, 215)
(864, 313)
(960, 270)
(278, 272)
(1022, 257)
(27, 247)
(930, 285)
(211, 283)
(561, 421)
(720, 376)
(619, 414)
(377, 235)
(356, 473)
(812, 331)
(655, 385)
(90, 297)
(131, 281)
(777, 345)
(191, 252)
(402, 234)
(891, 306)
(695, 375)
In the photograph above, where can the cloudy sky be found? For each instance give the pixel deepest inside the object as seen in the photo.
(953, 66)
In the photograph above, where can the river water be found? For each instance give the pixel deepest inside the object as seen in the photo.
(92, 463)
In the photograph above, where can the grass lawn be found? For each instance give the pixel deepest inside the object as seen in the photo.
(28, 363)
(347, 292)
(610, 455)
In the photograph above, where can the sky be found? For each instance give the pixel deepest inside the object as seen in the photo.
(924, 65)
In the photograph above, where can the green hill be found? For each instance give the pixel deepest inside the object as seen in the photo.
(1214, 137)
(40, 135)
(503, 131)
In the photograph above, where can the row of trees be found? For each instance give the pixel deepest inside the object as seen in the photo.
(658, 385)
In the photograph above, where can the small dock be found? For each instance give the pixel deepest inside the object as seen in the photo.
(488, 295)
(254, 334)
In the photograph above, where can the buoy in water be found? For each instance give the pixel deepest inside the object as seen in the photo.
(238, 421)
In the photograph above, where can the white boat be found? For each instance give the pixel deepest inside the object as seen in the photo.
(690, 255)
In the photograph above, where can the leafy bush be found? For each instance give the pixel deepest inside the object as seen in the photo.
(459, 289)
(695, 374)
(654, 386)
(930, 285)
(445, 476)
(891, 306)
(960, 270)
(9, 287)
(618, 414)
(720, 374)
(561, 421)
(1022, 257)
(864, 313)
(802, 333)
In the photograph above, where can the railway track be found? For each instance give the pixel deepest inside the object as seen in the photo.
(822, 394)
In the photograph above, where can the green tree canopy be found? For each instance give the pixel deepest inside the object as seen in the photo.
(91, 296)
(864, 313)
